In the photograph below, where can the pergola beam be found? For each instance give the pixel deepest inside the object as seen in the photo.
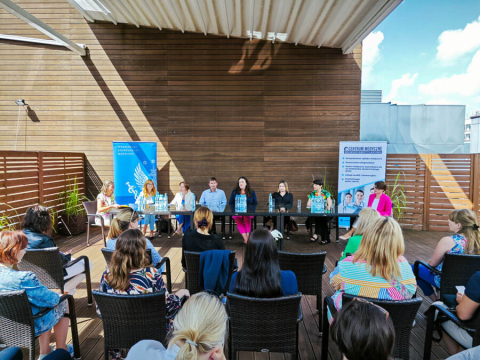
(152, 11)
(80, 9)
(201, 17)
(252, 18)
(106, 11)
(226, 17)
(310, 15)
(129, 14)
(20, 13)
(178, 17)
(277, 22)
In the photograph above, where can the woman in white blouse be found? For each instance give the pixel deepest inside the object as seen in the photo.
(183, 201)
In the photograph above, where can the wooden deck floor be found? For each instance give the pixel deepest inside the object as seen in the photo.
(419, 245)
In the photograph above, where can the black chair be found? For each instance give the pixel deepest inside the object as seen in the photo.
(46, 264)
(127, 319)
(91, 209)
(308, 269)
(17, 326)
(192, 271)
(108, 253)
(402, 313)
(264, 325)
(456, 271)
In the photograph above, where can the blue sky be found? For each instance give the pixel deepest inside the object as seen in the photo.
(426, 51)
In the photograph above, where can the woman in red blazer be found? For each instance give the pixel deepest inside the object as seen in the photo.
(378, 201)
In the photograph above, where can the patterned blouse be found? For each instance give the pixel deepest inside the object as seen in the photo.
(356, 279)
(106, 201)
(144, 281)
(459, 248)
(314, 194)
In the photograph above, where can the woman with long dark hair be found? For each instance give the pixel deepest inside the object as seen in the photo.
(244, 223)
(260, 275)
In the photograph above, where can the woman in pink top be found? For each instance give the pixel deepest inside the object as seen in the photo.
(378, 201)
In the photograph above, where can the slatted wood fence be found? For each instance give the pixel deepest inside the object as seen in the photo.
(28, 178)
(434, 186)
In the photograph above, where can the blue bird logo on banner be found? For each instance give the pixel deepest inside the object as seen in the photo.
(140, 179)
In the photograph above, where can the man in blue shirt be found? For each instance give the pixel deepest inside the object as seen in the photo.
(214, 199)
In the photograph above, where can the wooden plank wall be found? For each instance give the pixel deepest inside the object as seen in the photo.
(30, 178)
(216, 106)
(442, 182)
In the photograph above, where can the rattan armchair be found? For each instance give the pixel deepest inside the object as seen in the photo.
(192, 271)
(47, 265)
(264, 325)
(456, 271)
(402, 313)
(127, 319)
(308, 269)
(108, 253)
(91, 209)
(17, 327)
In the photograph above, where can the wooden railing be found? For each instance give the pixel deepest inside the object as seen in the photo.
(434, 186)
(29, 178)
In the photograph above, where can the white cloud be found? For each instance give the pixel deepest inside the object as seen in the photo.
(370, 56)
(443, 101)
(466, 84)
(456, 43)
(405, 81)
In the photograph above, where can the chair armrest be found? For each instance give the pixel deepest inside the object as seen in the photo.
(80, 258)
(168, 273)
(300, 313)
(97, 216)
(65, 297)
(417, 264)
(324, 269)
(331, 306)
(450, 314)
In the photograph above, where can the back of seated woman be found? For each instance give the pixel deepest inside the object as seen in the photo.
(377, 269)
(199, 239)
(364, 331)
(260, 275)
(465, 240)
(200, 331)
(367, 216)
(128, 219)
(12, 250)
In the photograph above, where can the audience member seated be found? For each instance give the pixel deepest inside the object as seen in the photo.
(456, 339)
(364, 331)
(377, 269)
(131, 274)
(200, 331)
(367, 216)
(244, 223)
(200, 240)
(470, 354)
(465, 240)
(15, 353)
(183, 201)
(36, 225)
(12, 250)
(128, 219)
(106, 202)
(260, 275)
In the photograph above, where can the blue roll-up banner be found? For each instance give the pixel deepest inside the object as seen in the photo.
(360, 165)
(134, 162)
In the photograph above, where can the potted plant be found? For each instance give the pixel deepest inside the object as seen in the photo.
(6, 222)
(74, 216)
(397, 195)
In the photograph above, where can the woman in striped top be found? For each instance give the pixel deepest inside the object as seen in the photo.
(377, 269)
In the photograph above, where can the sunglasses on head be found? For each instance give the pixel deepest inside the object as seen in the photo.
(387, 314)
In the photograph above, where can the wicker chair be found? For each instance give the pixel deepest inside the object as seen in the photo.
(457, 270)
(308, 269)
(127, 319)
(108, 253)
(91, 209)
(264, 325)
(192, 271)
(402, 313)
(46, 264)
(17, 321)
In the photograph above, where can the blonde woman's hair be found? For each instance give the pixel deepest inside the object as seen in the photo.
(382, 244)
(121, 222)
(203, 213)
(105, 186)
(286, 186)
(366, 217)
(202, 320)
(468, 220)
(130, 253)
(145, 189)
